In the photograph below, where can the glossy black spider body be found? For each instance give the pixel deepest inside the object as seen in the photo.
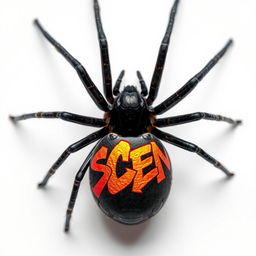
(130, 115)
(130, 171)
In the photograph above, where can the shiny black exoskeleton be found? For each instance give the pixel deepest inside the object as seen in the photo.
(120, 188)
(130, 171)
(130, 115)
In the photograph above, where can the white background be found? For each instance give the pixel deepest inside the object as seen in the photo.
(205, 214)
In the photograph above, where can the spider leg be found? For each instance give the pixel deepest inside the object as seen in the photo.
(72, 149)
(191, 84)
(190, 147)
(188, 118)
(116, 89)
(82, 73)
(78, 179)
(105, 62)
(144, 90)
(66, 116)
(156, 79)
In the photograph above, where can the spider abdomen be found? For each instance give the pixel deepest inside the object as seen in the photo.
(130, 177)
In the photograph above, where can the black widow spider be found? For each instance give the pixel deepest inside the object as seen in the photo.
(129, 116)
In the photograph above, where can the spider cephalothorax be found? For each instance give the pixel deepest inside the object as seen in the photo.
(130, 171)
(130, 114)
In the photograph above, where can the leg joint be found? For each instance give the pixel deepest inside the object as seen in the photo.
(198, 150)
(103, 43)
(79, 68)
(217, 164)
(199, 115)
(38, 115)
(70, 150)
(69, 211)
(51, 171)
(63, 115)
(79, 177)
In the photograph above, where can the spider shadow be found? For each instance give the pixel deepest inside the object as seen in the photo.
(223, 139)
(126, 234)
(217, 191)
(221, 183)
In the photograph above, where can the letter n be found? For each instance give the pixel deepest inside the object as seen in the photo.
(158, 156)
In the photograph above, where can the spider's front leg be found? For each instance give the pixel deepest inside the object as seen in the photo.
(66, 116)
(105, 61)
(192, 148)
(91, 88)
(160, 63)
(191, 84)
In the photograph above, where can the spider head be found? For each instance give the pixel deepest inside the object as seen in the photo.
(130, 99)
(129, 111)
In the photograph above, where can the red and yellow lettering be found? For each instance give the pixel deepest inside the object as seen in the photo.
(140, 180)
(158, 154)
(101, 154)
(135, 175)
(115, 184)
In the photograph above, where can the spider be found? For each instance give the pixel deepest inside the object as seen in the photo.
(130, 171)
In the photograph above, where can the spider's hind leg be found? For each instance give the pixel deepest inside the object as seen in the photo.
(78, 179)
(72, 149)
(192, 148)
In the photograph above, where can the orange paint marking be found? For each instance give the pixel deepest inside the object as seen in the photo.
(158, 154)
(140, 180)
(115, 184)
(123, 149)
(101, 154)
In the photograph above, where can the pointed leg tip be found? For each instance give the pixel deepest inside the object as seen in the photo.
(237, 123)
(41, 185)
(67, 225)
(11, 118)
(230, 175)
(230, 41)
(122, 73)
(36, 22)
